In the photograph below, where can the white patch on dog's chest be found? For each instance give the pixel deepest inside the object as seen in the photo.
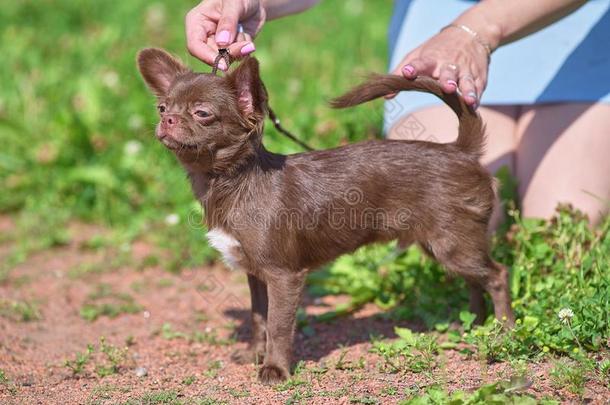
(227, 245)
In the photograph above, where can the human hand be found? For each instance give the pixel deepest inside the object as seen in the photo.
(213, 24)
(453, 56)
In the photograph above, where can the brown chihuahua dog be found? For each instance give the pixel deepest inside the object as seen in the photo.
(277, 217)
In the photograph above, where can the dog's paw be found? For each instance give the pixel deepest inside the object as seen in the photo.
(270, 374)
(247, 356)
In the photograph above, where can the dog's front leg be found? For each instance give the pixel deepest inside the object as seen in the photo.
(258, 295)
(255, 353)
(284, 288)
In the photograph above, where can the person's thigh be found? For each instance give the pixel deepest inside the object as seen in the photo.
(563, 156)
(439, 124)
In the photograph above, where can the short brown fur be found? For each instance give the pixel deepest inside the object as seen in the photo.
(291, 214)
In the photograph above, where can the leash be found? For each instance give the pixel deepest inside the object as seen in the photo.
(284, 131)
(223, 54)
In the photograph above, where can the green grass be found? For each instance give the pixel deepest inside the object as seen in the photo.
(3, 378)
(7, 383)
(410, 353)
(158, 397)
(189, 380)
(497, 393)
(170, 397)
(236, 393)
(102, 393)
(213, 368)
(80, 361)
(569, 374)
(104, 359)
(208, 336)
(24, 311)
(103, 301)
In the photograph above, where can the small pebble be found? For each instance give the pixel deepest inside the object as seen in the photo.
(141, 372)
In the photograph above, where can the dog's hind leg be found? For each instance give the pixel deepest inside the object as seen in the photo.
(497, 285)
(468, 257)
(476, 303)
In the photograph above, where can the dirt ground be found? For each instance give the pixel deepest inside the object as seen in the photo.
(172, 361)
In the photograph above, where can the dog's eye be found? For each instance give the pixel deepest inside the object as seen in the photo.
(161, 108)
(202, 114)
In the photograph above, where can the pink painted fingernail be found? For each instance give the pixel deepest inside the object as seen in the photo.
(248, 49)
(223, 37)
(452, 83)
(409, 69)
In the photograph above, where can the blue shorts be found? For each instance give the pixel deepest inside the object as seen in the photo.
(568, 61)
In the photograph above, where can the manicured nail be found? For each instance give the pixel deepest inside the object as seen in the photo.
(409, 69)
(248, 49)
(472, 94)
(452, 83)
(222, 65)
(223, 37)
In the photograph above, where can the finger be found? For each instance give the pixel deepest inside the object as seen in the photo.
(222, 64)
(201, 51)
(390, 96)
(196, 38)
(211, 42)
(417, 67)
(254, 23)
(237, 50)
(243, 36)
(481, 84)
(448, 77)
(241, 49)
(398, 69)
(227, 26)
(479, 89)
(468, 89)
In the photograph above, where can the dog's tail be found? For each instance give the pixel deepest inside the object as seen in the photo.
(471, 132)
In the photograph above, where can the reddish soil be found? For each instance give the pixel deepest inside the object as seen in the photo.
(210, 300)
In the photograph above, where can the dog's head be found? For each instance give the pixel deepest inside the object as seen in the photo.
(204, 118)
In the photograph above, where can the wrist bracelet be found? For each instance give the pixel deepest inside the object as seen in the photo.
(474, 35)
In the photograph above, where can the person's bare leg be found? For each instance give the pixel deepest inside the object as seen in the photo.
(439, 124)
(562, 156)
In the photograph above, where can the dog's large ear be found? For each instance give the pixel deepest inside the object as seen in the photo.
(250, 91)
(159, 69)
